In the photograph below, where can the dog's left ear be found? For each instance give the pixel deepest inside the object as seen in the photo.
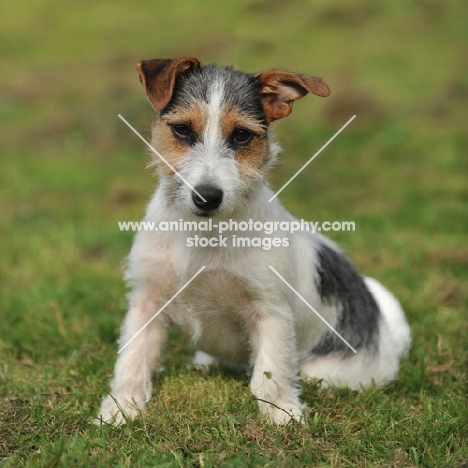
(279, 89)
(158, 77)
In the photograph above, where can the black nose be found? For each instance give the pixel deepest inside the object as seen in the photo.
(212, 195)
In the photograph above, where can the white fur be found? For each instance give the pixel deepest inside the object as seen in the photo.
(237, 310)
(212, 129)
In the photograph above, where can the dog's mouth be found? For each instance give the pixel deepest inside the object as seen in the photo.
(205, 214)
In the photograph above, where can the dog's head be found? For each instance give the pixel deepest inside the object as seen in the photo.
(213, 128)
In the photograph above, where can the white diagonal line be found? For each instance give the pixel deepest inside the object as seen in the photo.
(161, 309)
(162, 159)
(312, 158)
(313, 310)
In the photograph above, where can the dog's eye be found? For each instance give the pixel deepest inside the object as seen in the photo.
(241, 136)
(182, 130)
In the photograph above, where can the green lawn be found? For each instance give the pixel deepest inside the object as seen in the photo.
(70, 169)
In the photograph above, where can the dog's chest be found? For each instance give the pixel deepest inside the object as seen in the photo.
(215, 312)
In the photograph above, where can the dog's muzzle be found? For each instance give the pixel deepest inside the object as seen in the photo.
(212, 195)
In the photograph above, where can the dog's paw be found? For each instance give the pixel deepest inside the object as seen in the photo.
(116, 411)
(282, 412)
(204, 361)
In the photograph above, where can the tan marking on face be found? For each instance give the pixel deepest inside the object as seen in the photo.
(167, 144)
(250, 158)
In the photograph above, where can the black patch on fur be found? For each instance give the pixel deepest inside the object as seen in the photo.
(358, 313)
(241, 90)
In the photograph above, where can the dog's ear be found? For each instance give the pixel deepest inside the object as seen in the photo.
(158, 77)
(279, 89)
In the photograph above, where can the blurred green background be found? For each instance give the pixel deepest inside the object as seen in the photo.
(70, 169)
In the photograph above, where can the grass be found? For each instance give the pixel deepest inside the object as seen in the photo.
(69, 170)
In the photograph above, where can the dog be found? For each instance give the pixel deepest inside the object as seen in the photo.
(248, 306)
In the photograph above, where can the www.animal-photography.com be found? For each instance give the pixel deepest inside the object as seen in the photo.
(234, 234)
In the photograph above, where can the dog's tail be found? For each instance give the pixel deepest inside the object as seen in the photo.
(393, 316)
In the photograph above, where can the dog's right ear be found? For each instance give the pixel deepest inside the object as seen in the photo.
(158, 77)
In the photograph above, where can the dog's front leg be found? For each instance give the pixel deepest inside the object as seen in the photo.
(139, 353)
(275, 376)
